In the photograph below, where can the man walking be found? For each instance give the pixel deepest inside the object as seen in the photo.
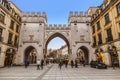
(76, 64)
(72, 63)
(60, 64)
(66, 63)
(26, 63)
(38, 64)
(42, 63)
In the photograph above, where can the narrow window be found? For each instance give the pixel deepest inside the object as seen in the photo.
(10, 38)
(107, 19)
(12, 25)
(98, 25)
(118, 9)
(2, 17)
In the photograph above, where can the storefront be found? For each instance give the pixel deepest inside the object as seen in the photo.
(113, 55)
(9, 57)
(108, 56)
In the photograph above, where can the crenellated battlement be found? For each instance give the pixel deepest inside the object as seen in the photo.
(36, 17)
(78, 14)
(34, 14)
(79, 17)
(57, 27)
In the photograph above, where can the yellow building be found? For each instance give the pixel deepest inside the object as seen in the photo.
(106, 30)
(10, 23)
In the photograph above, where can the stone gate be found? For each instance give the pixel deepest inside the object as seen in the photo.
(36, 34)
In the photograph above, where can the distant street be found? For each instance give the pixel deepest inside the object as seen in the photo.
(52, 72)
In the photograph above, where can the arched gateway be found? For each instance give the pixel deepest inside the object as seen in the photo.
(36, 33)
(62, 35)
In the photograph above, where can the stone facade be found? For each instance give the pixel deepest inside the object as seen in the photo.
(8, 46)
(35, 32)
(106, 21)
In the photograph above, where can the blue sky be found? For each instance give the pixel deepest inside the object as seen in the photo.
(57, 11)
(56, 43)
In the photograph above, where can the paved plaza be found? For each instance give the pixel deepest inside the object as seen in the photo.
(52, 72)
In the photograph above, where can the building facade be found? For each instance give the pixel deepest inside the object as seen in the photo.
(10, 23)
(36, 34)
(64, 52)
(106, 32)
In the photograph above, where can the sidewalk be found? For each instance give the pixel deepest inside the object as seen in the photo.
(81, 73)
(52, 72)
(22, 73)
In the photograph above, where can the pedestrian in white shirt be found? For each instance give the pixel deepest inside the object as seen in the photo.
(38, 64)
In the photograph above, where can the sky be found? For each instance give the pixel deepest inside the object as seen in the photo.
(56, 43)
(57, 11)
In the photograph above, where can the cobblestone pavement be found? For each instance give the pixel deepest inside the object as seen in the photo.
(21, 73)
(52, 72)
(81, 73)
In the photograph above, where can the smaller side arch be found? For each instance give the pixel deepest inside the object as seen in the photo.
(85, 54)
(30, 54)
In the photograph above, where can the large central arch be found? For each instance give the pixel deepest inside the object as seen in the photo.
(57, 34)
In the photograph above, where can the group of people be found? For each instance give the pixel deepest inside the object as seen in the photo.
(63, 62)
(73, 63)
(8, 63)
(40, 64)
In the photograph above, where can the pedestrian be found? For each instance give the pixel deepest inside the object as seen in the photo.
(114, 64)
(26, 63)
(60, 64)
(72, 63)
(42, 63)
(38, 64)
(76, 64)
(66, 63)
(83, 62)
(9, 62)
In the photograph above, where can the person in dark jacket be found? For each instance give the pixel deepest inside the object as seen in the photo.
(83, 62)
(72, 63)
(26, 63)
(42, 63)
(66, 63)
(60, 64)
(76, 63)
